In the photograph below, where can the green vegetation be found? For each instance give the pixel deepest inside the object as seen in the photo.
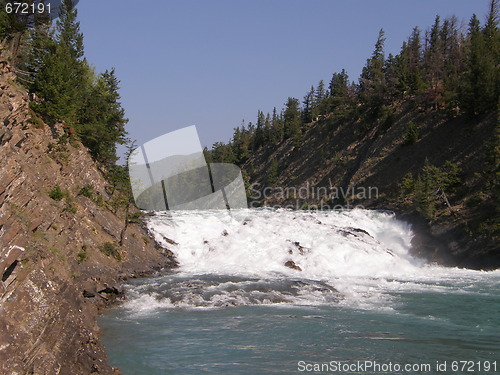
(35, 120)
(87, 191)
(272, 175)
(490, 197)
(57, 252)
(66, 88)
(110, 249)
(70, 208)
(82, 256)
(56, 193)
(430, 187)
(135, 218)
(20, 214)
(412, 134)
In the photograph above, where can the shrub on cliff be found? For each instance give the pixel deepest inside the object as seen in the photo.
(56, 193)
(431, 185)
(110, 249)
(412, 134)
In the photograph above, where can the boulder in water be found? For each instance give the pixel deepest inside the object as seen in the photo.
(291, 264)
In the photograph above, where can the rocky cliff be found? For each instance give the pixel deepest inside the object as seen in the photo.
(56, 204)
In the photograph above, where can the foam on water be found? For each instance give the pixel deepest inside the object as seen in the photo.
(355, 258)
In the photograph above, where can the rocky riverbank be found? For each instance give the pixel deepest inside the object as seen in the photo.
(79, 244)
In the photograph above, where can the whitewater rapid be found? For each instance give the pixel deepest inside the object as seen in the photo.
(358, 258)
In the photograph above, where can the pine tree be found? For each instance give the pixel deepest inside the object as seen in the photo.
(414, 60)
(434, 63)
(68, 27)
(372, 80)
(391, 77)
(453, 65)
(259, 131)
(251, 136)
(339, 84)
(339, 90)
(492, 40)
(61, 71)
(320, 106)
(491, 32)
(267, 129)
(222, 153)
(277, 128)
(479, 86)
(292, 119)
(239, 147)
(102, 118)
(241, 144)
(307, 113)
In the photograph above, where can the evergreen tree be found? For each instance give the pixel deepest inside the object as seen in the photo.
(391, 77)
(292, 119)
(222, 153)
(250, 136)
(478, 92)
(320, 93)
(320, 106)
(434, 63)
(453, 65)
(339, 90)
(339, 85)
(259, 131)
(277, 128)
(238, 145)
(492, 39)
(372, 80)
(68, 27)
(102, 118)
(241, 144)
(413, 53)
(267, 129)
(58, 82)
(491, 32)
(307, 113)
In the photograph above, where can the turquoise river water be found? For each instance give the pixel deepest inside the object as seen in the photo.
(360, 303)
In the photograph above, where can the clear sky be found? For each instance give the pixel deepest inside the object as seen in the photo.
(213, 63)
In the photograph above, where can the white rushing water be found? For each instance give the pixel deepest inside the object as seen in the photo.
(355, 258)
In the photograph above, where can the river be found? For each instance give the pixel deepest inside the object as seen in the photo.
(288, 292)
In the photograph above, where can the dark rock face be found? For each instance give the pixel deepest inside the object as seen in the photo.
(446, 244)
(53, 291)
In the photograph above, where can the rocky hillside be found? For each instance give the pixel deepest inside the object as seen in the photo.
(55, 203)
(349, 160)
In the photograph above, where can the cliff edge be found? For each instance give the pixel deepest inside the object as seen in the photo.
(79, 244)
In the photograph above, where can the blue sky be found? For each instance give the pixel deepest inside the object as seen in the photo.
(213, 63)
